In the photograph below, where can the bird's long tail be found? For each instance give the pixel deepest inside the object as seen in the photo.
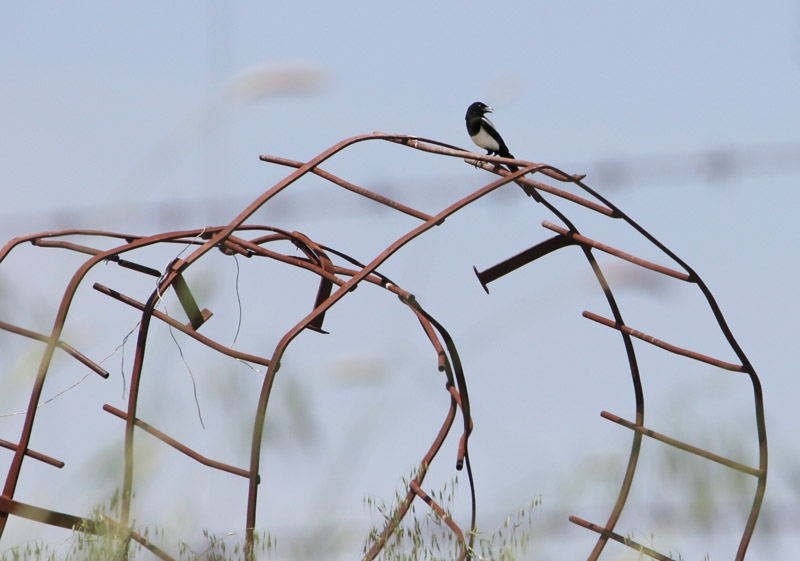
(528, 191)
(508, 154)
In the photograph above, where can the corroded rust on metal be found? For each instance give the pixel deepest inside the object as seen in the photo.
(682, 445)
(338, 275)
(521, 259)
(664, 345)
(577, 238)
(177, 445)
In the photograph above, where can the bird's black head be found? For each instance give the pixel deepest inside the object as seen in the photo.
(478, 109)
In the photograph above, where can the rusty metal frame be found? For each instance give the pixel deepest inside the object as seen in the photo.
(339, 275)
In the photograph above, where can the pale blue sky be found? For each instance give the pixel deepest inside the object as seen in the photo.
(92, 91)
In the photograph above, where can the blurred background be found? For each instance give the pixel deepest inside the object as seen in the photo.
(150, 118)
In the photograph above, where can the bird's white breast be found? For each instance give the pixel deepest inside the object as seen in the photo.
(485, 141)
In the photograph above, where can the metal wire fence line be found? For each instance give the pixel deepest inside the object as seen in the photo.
(338, 275)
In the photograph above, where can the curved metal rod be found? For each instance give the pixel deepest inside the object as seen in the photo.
(317, 262)
(746, 367)
(691, 276)
(52, 342)
(638, 392)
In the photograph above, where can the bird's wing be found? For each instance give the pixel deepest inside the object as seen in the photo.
(502, 149)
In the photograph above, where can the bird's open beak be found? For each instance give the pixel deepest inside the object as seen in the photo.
(488, 109)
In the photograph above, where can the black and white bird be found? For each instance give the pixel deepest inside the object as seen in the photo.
(482, 132)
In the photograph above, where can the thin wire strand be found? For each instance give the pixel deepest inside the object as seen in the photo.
(172, 333)
(240, 316)
(238, 302)
(76, 384)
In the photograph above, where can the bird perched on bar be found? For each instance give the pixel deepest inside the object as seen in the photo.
(483, 133)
